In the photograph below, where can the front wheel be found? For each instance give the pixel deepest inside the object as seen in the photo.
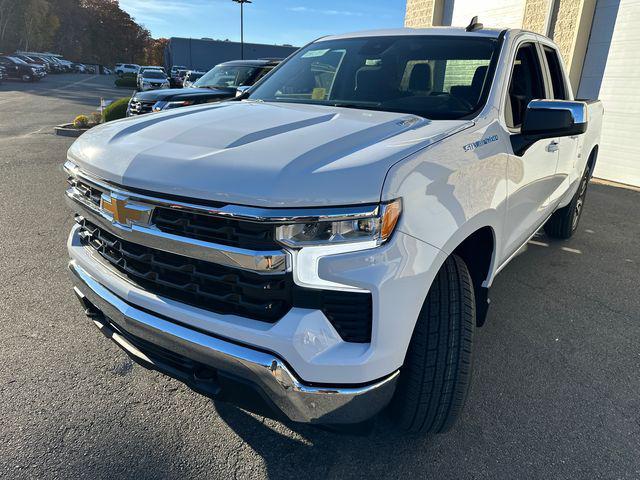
(26, 78)
(564, 222)
(435, 377)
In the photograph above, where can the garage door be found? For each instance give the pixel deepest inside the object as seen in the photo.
(612, 72)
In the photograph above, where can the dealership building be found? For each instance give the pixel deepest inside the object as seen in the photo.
(203, 53)
(600, 43)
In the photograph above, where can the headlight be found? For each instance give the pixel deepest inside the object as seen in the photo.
(377, 228)
(162, 105)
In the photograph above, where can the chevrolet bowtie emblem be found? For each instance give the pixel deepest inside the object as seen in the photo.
(123, 211)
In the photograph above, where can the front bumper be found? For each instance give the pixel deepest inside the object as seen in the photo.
(218, 366)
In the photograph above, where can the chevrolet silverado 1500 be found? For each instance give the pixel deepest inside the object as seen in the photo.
(321, 248)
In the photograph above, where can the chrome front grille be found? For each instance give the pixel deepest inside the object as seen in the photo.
(219, 258)
(138, 107)
(225, 231)
(194, 282)
(256, 236)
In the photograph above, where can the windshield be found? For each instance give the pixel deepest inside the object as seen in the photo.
(224, 76)
(18, 60)
(435, 77)
(154, 74)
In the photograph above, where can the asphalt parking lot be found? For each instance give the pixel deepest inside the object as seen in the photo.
(555, 394)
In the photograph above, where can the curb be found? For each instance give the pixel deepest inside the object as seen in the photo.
(68, 130)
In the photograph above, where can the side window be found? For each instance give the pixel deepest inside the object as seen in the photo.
(555, 70)
(262, 73)
(526, 84)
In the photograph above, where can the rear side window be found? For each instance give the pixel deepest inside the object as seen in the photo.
(526, 84)
(555, 70)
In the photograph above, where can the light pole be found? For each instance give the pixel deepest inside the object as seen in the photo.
(242, 2)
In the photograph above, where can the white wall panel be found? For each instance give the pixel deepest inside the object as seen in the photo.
(612, 73)
(492, 13)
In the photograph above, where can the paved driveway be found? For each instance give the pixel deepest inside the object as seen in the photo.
(556, 392)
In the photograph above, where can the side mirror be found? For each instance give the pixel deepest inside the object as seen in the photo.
(549, 119)
(242, 91)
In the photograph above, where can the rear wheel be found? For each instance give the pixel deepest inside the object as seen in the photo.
(435, 377)
(564, 222)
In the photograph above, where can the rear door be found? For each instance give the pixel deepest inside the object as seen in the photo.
(531, 177)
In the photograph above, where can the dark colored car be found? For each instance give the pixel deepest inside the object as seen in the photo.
(219, 83)
(175, 78)
(31, 61)
(18, 69)
(47, 62)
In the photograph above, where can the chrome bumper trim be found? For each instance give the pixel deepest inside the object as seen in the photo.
(266, 262)
(298, 401)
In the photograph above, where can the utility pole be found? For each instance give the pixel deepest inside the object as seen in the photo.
(242, 2)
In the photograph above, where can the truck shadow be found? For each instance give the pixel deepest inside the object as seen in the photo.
(288, 449)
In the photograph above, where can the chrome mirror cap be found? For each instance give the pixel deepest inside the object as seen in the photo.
(579, 110)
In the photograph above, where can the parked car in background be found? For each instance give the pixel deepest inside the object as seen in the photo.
(151, 67)
(191, 77)
(47, 62)
(152, 79)
(146, 68)
(122, 68)
(219, 83)
(31, 61)
(67, 64)
(180, 78)
(59, 67)
(174, 75)
(18, 69)
(324, 247)
(79, 68)
(52, 66)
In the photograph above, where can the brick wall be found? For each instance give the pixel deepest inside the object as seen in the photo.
(536, 14)
(419, 13)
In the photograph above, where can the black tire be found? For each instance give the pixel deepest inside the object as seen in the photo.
(564, 222)
(434, 380)
(27, 78)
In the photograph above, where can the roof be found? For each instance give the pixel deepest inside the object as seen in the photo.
(399, 32)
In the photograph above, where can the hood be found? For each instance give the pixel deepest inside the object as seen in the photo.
(184, 93)
(260, 154)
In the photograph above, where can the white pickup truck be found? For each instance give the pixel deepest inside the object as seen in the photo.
(321, 248)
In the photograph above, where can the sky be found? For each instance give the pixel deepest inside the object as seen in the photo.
(294, 22)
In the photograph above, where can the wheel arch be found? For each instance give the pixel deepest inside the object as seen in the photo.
(591, 161)
(478, 250)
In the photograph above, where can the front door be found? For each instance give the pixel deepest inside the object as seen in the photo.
(531, 177)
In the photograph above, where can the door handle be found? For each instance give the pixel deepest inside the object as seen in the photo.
(553, 147)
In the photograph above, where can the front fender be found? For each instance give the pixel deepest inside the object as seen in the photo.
(449, 192)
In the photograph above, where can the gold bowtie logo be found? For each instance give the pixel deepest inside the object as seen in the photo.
(124, 212)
